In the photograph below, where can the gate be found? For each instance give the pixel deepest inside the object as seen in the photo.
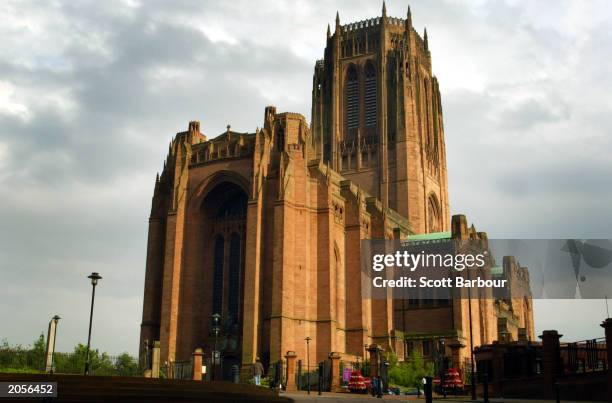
(306, 374)
(365, 368)
(324, 373)
(384, 376)
(182, 370)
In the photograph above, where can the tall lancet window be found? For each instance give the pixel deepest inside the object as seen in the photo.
(218, 275)
(352, 98)
(280, 138)
(234, 277)
(370, 94)
(433, 214)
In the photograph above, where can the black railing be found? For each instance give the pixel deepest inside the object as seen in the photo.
(584, 356)
(308, 374)
(182, 370)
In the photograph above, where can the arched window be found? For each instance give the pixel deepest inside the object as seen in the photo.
(352, 98)
(233, 207)
(433, 214)
(427, 93)
(218, 275)
(370, 94)
(234, 277)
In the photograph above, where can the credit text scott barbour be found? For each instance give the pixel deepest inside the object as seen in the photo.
(447, 282)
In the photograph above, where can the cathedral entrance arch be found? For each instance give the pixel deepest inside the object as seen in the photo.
(223, 212)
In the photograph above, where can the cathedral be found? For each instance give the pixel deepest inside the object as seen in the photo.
(263, 228)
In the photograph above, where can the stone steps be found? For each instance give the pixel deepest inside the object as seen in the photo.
(78, 388)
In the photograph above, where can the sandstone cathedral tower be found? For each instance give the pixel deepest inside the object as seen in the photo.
(263, 228)
(377, 117)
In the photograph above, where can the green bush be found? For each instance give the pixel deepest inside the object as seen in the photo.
(126, 365)
(23, 359)
(411, 372)
(265, 382)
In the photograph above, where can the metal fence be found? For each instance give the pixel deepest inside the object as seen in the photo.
(181, 370)
(305, 375)
(584, 356)
(17, 360)
(465, 371)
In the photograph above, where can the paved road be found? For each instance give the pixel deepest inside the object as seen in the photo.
(326, 397)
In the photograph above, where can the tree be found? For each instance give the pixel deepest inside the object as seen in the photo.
(126, 365)
(21, 359)
(411, 372)
(39, 345)
(37, 353)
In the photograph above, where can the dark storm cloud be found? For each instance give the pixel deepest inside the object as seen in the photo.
(92, 92)
(79, 165)
(125, 88)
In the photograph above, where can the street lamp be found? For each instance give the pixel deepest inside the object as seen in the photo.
(308, 362)
(473, 375)
(442, 366)
(94, 277)
(365, 360)
(216, 319)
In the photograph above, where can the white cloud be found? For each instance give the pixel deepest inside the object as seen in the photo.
(9, 103)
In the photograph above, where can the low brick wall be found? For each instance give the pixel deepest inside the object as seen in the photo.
(588, 386)
(76, 388)
(582, 387)
(533, 388)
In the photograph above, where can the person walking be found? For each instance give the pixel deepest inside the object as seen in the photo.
(379, 387)
(258, 371)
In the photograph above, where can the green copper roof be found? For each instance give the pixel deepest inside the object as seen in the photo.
(497, 270)
(430, 237)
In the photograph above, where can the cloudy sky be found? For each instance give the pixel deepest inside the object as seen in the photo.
(92, 92)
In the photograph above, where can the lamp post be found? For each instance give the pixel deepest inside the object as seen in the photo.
(216, 319)
(365, 361)
(94, 277)
(442, 365)
(443, 354)
(473, 375)
(308, 362)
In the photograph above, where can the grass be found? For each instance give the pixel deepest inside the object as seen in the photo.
(4, 370)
